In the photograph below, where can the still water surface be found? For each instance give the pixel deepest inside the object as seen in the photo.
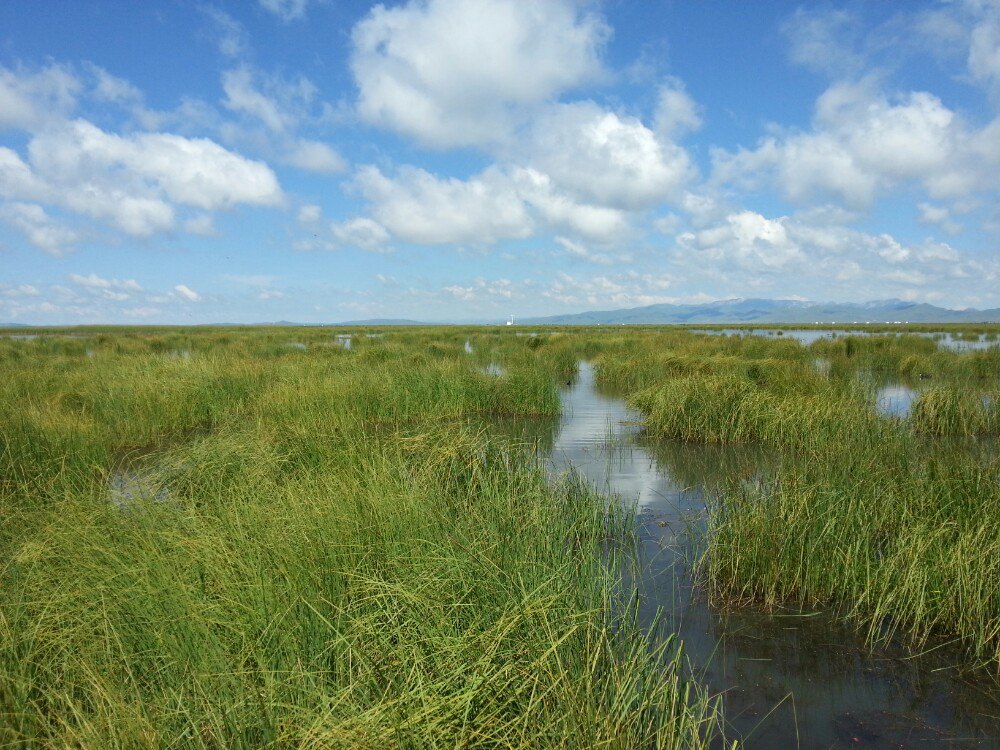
(789, 680)
(806, 336)
(895, 399)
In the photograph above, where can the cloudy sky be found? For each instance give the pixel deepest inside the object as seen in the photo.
(325, 160)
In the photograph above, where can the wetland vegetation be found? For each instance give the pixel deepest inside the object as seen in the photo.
(264, 537)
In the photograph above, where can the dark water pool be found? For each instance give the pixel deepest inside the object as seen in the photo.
(788, 680)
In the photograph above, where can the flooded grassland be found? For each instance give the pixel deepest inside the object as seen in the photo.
(282, 541)
(464, 536)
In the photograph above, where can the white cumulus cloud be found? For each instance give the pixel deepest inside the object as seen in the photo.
(360, 232)
(193, 171)
(135, 181)
(314, 156)
(458, 72)
(482, 290)
(939, 215)
(864, 143)
(495, 205)
(93, 281)
(31, 99)
(242, 96)
(564, 212)
(750, 239)
(607, 158)
(580, 251)
(110, 88)
(38, 227)
(418, 207)
(187, 293)
(676, 112)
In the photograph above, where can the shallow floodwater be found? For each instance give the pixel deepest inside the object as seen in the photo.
(132, 486)
(806, 336)
(494, 369)
(788, 680)
(895, 400)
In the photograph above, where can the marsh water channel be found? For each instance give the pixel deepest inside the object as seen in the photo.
(806, 336)
(788, 679)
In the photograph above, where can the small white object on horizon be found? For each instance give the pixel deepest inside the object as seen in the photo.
(511, 321)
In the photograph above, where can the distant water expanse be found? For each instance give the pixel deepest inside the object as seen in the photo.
(742, 311)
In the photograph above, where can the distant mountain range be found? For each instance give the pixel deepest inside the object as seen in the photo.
(731, 311)
(744, 311)
(741, 311)
(383, 322)
(371, 322)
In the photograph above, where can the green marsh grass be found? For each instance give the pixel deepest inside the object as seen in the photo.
(955, 410)
(900, 543)
(858, 513)
(328, 554)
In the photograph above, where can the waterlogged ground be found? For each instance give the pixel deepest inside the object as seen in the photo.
(896, 399)
(806, 336)
(789, 680)
(264, 539)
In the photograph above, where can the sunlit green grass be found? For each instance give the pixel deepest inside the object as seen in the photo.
(315, 549)
(321, 547)
(860, 513)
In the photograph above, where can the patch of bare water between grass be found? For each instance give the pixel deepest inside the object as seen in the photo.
(788, 680)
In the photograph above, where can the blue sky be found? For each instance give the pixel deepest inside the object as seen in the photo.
(326, 160)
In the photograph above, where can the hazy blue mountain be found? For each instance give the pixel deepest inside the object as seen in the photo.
(282, 323)
(732, 311)
(383, 322)
(774, 311)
